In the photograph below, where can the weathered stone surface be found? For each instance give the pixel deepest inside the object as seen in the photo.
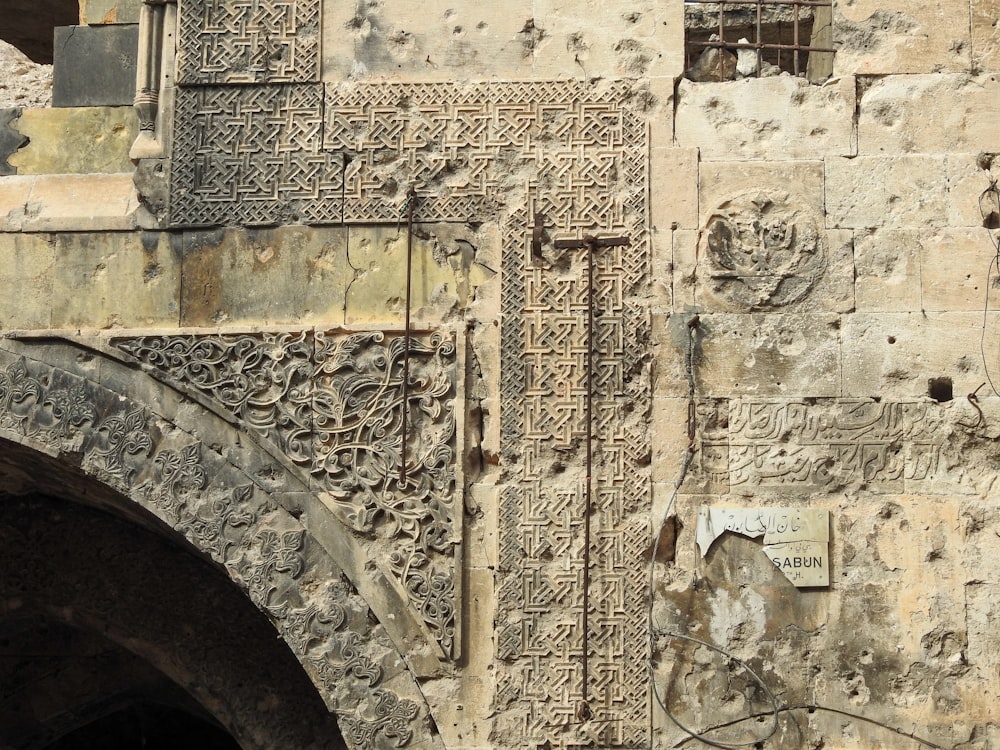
(985, 36)
(895, 355)
(800, 181)
(888, 269)
(928, 114)
(27, 269)
(101, 12)
(80, 203)
(763, 354)
(79, 82)
(546, 40)
(10, 139)
(879, 191)
(90, 140)
(298, 275)
(675, 188)
(759, 118)
(925, 36)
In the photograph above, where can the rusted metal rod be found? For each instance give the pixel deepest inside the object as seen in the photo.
(410, 200)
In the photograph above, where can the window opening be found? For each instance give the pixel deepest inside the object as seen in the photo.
(731, 39)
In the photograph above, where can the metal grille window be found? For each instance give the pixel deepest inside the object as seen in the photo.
(730, 39)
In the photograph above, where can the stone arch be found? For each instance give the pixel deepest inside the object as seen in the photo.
(175, 460)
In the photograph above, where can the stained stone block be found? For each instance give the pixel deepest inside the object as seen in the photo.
(674, 188)
(131, 280)
(896, 192)
(95, 65)
(102, 12)
(14, 194)
(76, 140)
(799, 181)
(929, 114)
(894, 355)
(766, 118)
(876, 37)
(11, 139)
(985, 35)
(270, 276)
(27, 262)
(769, 355)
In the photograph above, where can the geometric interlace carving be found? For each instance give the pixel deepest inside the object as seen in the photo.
(248, 41)
(255, 155)
(332, 406)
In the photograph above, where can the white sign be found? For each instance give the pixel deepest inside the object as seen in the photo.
(796, 540)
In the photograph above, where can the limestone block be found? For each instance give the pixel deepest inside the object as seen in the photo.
(14, 194)
(953, 268)
(874, 37)
(427, 41)
(671, 341)
(79, 80)
(114, 280)
(766, 118)
(80, 203)
(768, 355)
(895, 355)
(670, 425)
(76, 140)
(101, 12)
(268, 276)
(929, 114)
(985, 35)
(722, 181)
(966, 182)
(444, 275)
(683, 270)
(877, 191)
(590, 39)
(674, 188)
(887, 266)
(984, 633)
(27, 262)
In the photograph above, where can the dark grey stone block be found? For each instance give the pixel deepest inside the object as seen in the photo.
(95, 65)
(10, 139)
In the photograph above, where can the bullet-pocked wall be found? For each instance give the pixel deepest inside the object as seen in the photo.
(649, 387)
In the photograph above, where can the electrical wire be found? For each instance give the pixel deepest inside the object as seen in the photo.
(989, 217)
(776, 709)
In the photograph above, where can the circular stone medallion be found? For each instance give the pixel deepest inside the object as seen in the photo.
(760, 251)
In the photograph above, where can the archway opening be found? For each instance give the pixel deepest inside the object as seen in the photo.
(114, 632)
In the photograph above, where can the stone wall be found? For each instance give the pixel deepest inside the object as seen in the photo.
(663, 302)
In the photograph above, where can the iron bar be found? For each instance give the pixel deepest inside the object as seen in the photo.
(590, 244)
(751, 45)
(410, 200)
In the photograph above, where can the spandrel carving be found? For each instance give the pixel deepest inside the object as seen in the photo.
(332, 403)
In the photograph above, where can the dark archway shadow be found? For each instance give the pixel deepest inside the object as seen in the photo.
(29, 24)
(108, 628)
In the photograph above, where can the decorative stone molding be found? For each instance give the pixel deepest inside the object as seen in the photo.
(157, 20)
(332, 405)
(224, 503)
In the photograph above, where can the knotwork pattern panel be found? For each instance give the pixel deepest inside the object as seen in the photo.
(547, 401)
(332, 405)
(248, 41)
(257, 155)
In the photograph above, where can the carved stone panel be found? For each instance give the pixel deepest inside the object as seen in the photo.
(332, 405)
(554, 578)
(760, 251)
(248, 41)
(254, 155)
(224, 512)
